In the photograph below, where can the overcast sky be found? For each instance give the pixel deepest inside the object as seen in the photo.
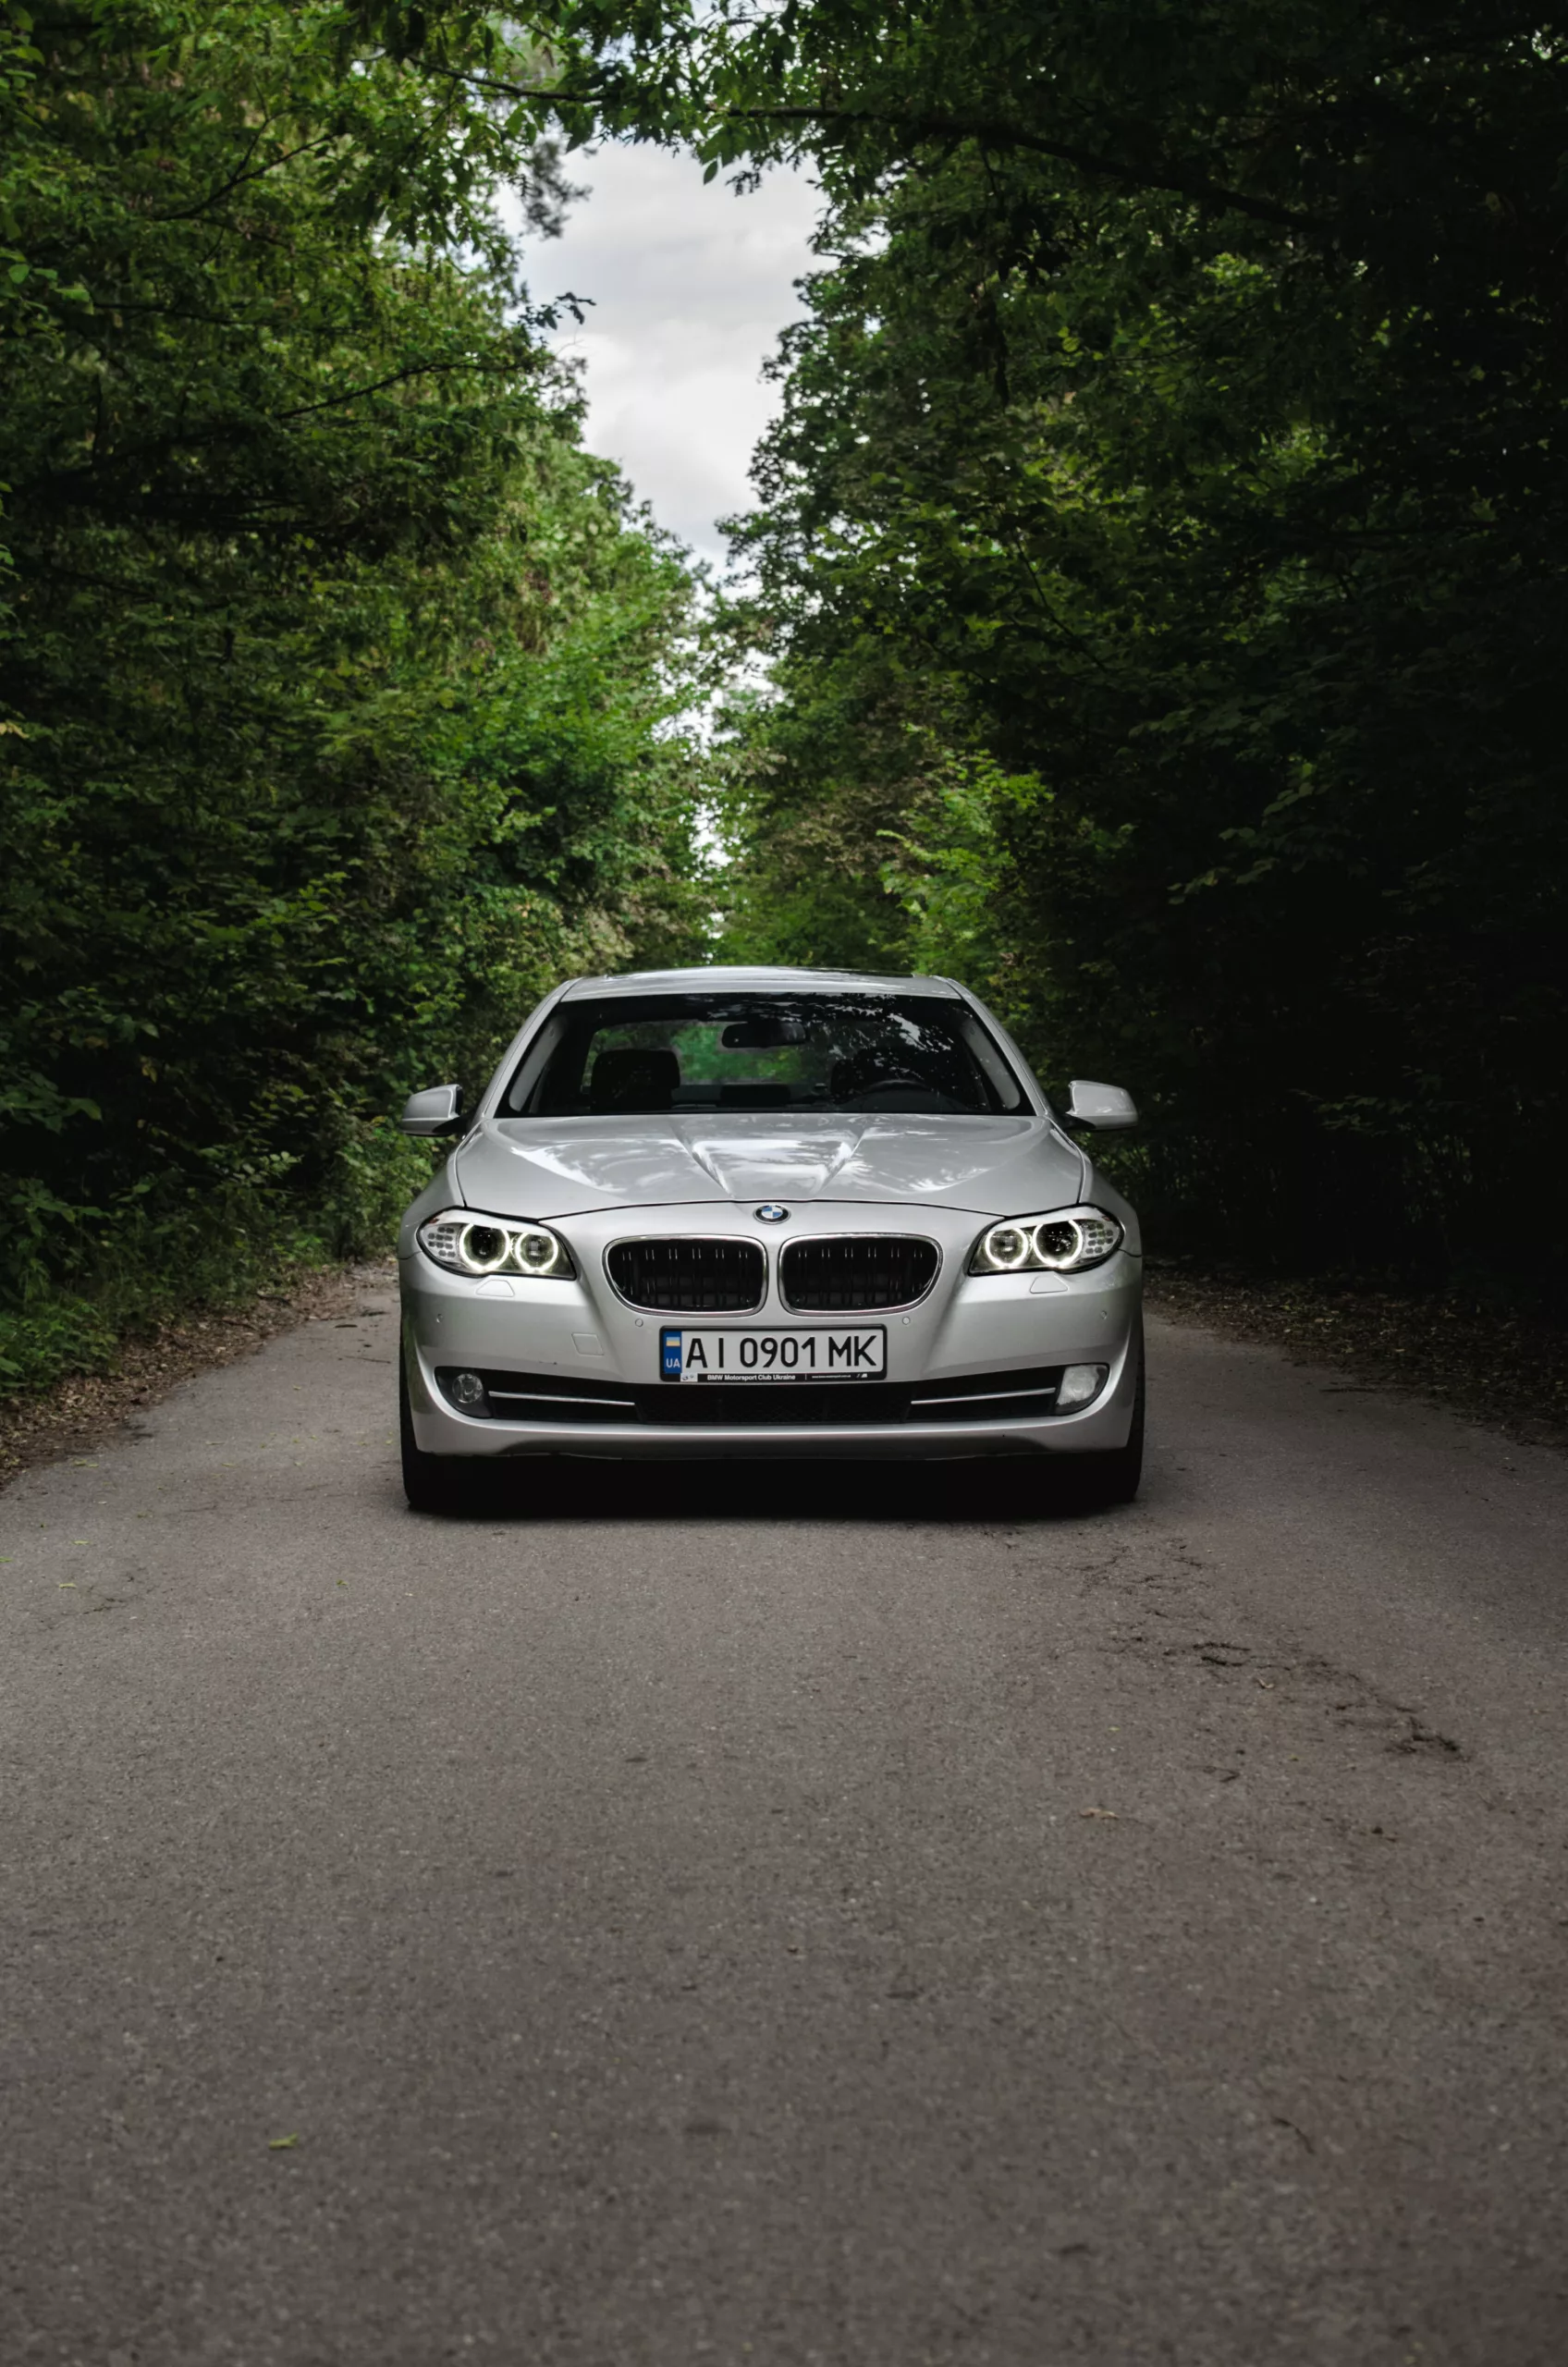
(691, 287)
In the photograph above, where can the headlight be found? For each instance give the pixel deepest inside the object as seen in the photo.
(1058, 1244)
(465, 1244)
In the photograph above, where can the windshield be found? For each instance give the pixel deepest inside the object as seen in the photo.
(633, 1055)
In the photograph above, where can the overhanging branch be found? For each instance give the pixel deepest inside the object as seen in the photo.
(1158, 175)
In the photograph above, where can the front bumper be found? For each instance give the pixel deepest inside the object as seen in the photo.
(968, 1325)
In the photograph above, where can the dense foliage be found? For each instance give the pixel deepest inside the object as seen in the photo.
(337, 682)
(1159, 571)
(1210, 566)
(1161, 559)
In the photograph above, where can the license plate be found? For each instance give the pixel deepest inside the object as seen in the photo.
(697, 1353)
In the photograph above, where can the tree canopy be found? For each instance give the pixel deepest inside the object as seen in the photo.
(1160, 556)
(338, 686)
(1157, 572)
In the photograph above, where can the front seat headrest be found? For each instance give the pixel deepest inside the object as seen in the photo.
(634, 1079)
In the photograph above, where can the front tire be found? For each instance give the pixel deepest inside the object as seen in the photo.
(433, 1483)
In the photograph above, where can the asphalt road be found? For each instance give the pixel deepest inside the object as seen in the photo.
(785, 1920)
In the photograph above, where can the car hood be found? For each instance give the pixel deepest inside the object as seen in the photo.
(546, 1167)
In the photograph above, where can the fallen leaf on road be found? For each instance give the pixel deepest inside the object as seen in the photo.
(1113, 1814)
(281, 2144)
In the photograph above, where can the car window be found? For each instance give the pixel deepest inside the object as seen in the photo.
(620, 1055)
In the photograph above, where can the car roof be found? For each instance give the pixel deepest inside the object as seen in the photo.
(733, 980)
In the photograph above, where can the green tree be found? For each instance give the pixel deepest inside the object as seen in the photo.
(338, 686)
(1182, 423)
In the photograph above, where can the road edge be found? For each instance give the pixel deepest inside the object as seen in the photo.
(82, 1411)
(1469, 1360)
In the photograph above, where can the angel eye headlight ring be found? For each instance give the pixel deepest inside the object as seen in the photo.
(482, 1248)
(536, 1251)
(1068, 1242)
(463, 1243)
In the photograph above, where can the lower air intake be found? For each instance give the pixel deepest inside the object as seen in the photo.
(1017, 1396)
(563, 1396)
(559, 1396)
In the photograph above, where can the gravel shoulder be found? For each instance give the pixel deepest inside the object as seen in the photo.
(1504, 1370)
(78, 1416)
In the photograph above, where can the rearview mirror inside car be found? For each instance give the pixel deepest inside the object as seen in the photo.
(437, 1110)
(762, 1035)
(1105, 1106)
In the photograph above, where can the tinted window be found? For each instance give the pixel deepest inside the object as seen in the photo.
(622, 1055)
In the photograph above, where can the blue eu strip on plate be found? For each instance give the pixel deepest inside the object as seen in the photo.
(669, 1355)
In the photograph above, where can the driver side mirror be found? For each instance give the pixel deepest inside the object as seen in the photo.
(1105, 1106)
(437, 1110)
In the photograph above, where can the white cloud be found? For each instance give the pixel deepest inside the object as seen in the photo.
(691, 286)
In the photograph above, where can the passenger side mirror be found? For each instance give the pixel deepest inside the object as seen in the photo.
(1105, 1106)
(437, 1110)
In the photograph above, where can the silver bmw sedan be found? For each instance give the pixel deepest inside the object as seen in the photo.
(728, 1212)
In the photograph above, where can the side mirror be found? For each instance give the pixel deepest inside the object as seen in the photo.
(438, 1110)
(1105, 1106)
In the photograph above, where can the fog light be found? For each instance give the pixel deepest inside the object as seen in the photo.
(468, 1390)
(1081, 1384)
